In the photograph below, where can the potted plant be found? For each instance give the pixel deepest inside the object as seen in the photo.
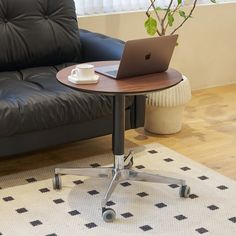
(162, 18)
(164, 109)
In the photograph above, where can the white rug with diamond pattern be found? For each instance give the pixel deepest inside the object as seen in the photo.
(30, 207)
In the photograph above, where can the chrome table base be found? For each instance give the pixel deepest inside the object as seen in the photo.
(122, 171)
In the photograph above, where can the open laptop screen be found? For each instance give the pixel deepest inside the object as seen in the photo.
(142, 56)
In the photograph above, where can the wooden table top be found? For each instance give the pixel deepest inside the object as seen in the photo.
(133, 85)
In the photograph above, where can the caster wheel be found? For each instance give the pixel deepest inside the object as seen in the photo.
(56, 182)
(108, 215)
(184, 191)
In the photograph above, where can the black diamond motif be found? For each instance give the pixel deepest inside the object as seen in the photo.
(93, 192)
(127, 214)
(51, 234)
(203, 177)
(180, 217)
(31, 180)
(8, 199)
(153, 151)
(192, 196)
(142, 194)
(77, 182)
(21, 210)
(222, 187)
(173, 185)
(185, 168)
(73, 213)
(168, 159)
(110, 203)
(58, 201)
(125, 184)
(233, 219)
(213, 207)
(44, 190)
(140, 167)
(36, 222)
(160, 205)
(201, 230)
(145, 227)
(91, 225)
(95, 165)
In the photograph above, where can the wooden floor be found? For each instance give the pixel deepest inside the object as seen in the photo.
(208, 136)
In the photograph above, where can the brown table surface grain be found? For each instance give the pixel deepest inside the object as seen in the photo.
(133, 85)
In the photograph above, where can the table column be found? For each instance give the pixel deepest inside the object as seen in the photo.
(118, 125)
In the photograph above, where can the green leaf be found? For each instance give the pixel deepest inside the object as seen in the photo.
(151, 26)
(170, 19)
(182, 13)
(213, 1)
(179, 2)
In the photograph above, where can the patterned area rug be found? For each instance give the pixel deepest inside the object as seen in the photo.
(29, 205)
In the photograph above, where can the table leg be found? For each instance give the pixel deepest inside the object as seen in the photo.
(118, 125)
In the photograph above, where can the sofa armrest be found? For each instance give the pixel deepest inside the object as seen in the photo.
(98, 47)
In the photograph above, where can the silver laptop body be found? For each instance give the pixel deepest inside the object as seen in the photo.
(142, 56)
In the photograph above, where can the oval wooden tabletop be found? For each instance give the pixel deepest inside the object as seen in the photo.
(133, 85)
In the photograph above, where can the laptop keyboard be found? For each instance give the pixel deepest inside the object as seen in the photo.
(112, 72)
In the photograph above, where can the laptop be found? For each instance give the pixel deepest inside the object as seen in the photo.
(141, 57)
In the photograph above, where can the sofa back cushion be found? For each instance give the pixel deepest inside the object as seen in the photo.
(38, 33)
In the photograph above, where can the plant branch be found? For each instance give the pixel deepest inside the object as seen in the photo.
(172, 13)
(177, 8)
(163, 28)
(167, 11)
(155, 10)
(189, 15)
(156, 13)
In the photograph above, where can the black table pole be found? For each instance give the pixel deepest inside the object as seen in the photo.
(118, 134)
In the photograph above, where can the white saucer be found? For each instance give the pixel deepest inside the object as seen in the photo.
(76, 80)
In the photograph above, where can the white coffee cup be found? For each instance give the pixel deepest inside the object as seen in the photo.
(83, 72)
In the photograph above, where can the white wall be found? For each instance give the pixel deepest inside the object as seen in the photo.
(207, 43)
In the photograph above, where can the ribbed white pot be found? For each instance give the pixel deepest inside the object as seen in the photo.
(164, 109)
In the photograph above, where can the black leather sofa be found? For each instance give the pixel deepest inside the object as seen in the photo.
(38, 38)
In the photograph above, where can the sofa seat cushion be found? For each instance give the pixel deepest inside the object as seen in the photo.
(33, 99)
